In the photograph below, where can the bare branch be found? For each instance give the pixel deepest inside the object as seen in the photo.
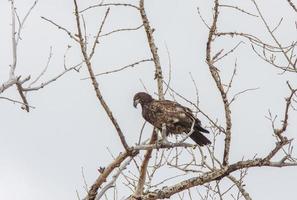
(22, 23)
(232, 77)
(274, 38)
(170, 67)
(199, 110)
(215, 74)
(114, 178)
(106, 172)
(240, 187)
(42, 85)
(216, 58)
(121, 30)
(239, 9)
(94, 81)
(278, 132)
(62, 28)
(143, 168)
(7, 84)
(202, 18)
(15, 101)
(98, 34)
(109, 4)
(153, 48)
(122, 68)
(292, 5)
(160, 145)
(44, 70)
(196, 89)
(278, 25)
(242, 92)
(207, 177)
(14, 44)
(21, 92)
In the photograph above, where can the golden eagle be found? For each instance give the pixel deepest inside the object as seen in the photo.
(177, 118)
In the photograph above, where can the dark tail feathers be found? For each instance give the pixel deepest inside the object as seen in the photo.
(198, 127)
(200, 139)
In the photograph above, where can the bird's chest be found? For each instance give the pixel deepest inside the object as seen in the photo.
(150, 115)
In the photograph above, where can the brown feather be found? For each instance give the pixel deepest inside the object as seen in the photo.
(177, 118)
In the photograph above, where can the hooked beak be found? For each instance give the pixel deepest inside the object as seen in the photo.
(135, 103)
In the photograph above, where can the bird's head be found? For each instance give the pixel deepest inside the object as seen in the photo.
(142, 98)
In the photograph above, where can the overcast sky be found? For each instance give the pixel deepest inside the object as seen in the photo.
(42, 152)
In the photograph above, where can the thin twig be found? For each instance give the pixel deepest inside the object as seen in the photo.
(273, 36)
(170, 69)
(98, 34)
(62, 28)
(44, 70)
(15, 101)
(22, 23)
(122, 68)
(121, 30)
(202, 18)
(42, 85)
(242, 92)
(239, 9)
(240, 187)
(14, 43)
(109, 4)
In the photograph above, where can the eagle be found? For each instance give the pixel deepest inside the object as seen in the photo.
(178, 119)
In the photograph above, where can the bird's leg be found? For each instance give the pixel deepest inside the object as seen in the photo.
(164, 135)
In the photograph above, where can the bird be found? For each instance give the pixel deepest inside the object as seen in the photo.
(178, 119)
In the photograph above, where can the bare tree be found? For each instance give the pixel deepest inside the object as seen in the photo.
(25, 84)
(210, 171)
(199, 171)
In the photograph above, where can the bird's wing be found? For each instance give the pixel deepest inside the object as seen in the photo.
(171, 112)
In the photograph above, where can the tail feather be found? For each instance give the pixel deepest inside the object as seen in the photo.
(198, 127)
(200, 139)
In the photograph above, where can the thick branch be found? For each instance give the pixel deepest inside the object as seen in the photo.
(292, 5)
(114, 178)
(153, 48)
(159, 77)
(207, 177)
(216, 76)
(24, 99)
(106, 172)
(94, 81)
(143, 168)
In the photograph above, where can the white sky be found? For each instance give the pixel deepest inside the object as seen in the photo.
(42, 152)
